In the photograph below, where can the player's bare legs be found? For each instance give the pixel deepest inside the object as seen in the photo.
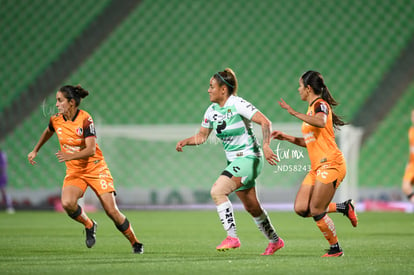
(250, 202)
(302, 200)
(70, 196)
(223, 187)
(121, 222)
(220, 190)
(321, 196)
(302, 203)
(407, 188)
(252, 205)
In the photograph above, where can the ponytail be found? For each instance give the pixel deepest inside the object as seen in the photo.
(228, 78)
(315, 80)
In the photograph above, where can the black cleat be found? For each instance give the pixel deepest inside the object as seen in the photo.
(334, 252)
(138, 248)
(91, 235)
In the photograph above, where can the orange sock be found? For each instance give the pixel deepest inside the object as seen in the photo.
(81, 217)
(130, 235)
(128, 232)
(327, 227)
(331, 207)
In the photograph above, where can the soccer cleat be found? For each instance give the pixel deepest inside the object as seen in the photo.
(91, 235)
(138, 248)
(334, 252)
(228, 243)
(273, 247)
(351, 213)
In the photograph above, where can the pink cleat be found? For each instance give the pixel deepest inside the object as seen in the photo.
(273, 247)
(228, 243)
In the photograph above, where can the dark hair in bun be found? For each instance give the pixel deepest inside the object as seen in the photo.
(74, 92)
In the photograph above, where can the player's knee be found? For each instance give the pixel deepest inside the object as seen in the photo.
(70, 206)
(315, 210)
(301, 211)
(217, 195)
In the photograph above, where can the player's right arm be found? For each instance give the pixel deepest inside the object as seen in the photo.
(300, 141)
(46, 135)
(197, 139)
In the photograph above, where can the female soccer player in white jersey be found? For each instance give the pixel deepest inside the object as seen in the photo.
(231, 116)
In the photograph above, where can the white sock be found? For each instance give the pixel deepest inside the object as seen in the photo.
(226, 215)
(266, 227)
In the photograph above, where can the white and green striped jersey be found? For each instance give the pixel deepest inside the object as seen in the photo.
(233, 127)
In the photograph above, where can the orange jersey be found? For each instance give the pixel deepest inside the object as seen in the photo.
(72, 135)
(411, 144)
(320, 142)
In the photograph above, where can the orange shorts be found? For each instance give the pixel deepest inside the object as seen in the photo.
(409, 173)
(98, 178)
(327, 173)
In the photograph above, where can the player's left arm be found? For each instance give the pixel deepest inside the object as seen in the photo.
(266, 125)
(318, 120)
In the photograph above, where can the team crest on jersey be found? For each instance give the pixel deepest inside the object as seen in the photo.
(79, 131)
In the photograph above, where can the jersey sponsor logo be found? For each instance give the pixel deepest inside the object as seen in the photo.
(221, 127)
(71, 148)
(221, 117)
(59, 131)
(228, 219)
(218, 117)
(309, 137)
(227, 139)
(92, 129)
(323, 108)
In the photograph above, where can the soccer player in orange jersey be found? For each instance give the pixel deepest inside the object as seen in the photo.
(85, 164)
(328, 167)
(408, 179)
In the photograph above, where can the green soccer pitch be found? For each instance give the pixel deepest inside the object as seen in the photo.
(183, 242)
